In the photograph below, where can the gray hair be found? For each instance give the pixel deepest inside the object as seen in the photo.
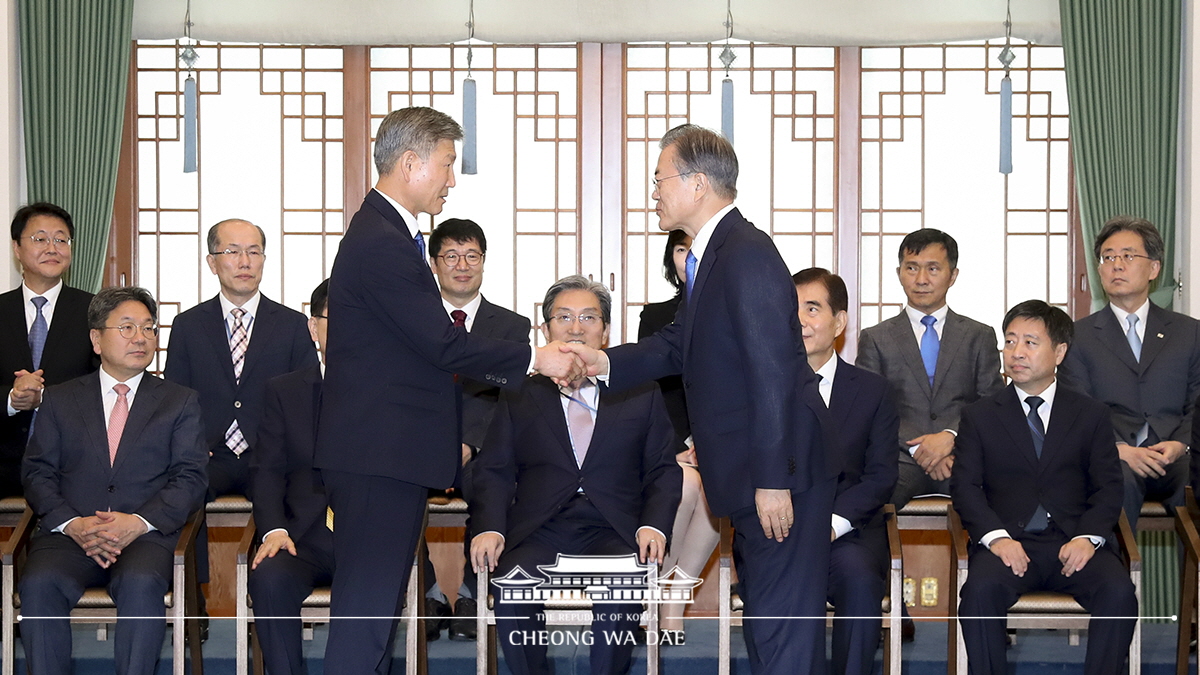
(417, 129)
(700, 150)
(1152, 240)
(108, 299)
(214, 238)
(576, 282)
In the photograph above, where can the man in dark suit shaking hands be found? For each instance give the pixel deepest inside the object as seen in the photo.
(114, 468)
(1038, 486)
(752, 400)
(384, 440)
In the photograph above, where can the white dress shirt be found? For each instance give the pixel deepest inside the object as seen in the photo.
(471, 308)
(700, 241)
(827, 372)
(1142, 313)
(251, 308)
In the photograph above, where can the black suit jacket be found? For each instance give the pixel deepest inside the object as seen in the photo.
(159, 472)
(998, 480)
(68, 354)
(528, 471)
(862, 410)
(390, 405)
(655, 317)
(199, 357)
(288, 491)
(479, 398)
(757, 418)
(1160, 389)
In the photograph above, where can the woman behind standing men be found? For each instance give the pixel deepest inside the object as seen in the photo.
(695, 532)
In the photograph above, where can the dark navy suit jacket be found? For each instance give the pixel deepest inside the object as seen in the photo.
(528, 470)
(159, 472)
(862, 410)
(998, 480)
(479, 398)
(757, 418)
(199, 357)
(288, 491)
(390, 405)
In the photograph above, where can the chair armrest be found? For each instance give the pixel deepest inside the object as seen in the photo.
(19, 539)
(959, 542)
(893, 535)
(1189, 500)
(1185, 527)
(1128, 544)
(246, 545)
(187, 536)
(726, 543)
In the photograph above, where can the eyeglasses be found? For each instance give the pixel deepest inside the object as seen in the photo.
(251, 253)
(1127, 257)
(472, 258)
(585, 320)
(130, 331)
(44, 242)
(654, 182)
(319, 316)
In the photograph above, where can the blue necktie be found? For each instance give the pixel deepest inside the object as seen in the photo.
(420, 243)
(1041, 519)
(37, 334)
(1135, 342)
(930, 346)
(689, 267)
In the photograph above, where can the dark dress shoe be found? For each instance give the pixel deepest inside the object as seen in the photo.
(462, 625)
(908, 630)
(436, 618)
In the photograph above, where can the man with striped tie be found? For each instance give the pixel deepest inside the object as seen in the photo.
(43, 329)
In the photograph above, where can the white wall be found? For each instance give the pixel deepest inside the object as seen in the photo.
(12, 165)
(1189, 175)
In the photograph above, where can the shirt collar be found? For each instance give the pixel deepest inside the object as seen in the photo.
(1047, 396)
(828, 370)
(51, 295)
(1142, 314)
(251, 305)
(700, 241)
(410, 221)
(108, 381)
(471, 308)
(915, 315)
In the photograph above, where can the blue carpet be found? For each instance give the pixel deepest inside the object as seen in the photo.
(1037, 652)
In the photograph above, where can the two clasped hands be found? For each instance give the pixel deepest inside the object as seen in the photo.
(568, 364)
(104, 535)
(27, 390)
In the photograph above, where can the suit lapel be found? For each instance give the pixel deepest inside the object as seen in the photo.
(262, 336)
(1112, 336)
(1158, 331)
(604, 410)
(546, 394)
(91, 406)
(1012, 418)
(484, 323)
(910, 353)
(712, 254)
(845, 391)
(1062, 418)
(951, 342)
(144, 405)
(218, 339)
(58, 329)
(14, 333)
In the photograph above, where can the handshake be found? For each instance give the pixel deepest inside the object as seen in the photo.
(567, 363)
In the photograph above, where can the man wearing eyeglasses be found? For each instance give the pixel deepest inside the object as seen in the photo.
(582, 471)
(1141, 360)
(43, 330)
(114, 468)
(457, 248)
(227, 348)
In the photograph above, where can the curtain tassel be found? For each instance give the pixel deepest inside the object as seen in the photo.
(469, 164)
(1006, 125)
(727, 109)
(189, 125)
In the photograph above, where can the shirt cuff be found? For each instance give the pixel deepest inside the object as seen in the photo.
(11, 410)
(951, 432)
(278, 529)
(604, 376)
(149, 527)
(648, 527)
(502, 539)
(840, 526)
(1096, 541)
(62, 527)
(532, 360)
(992, 536)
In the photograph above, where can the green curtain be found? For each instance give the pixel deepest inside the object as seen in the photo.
(1122, 67)
(74, 72)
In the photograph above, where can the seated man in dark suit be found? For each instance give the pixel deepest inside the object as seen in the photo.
(1142, 361)
(290, 506)
(457, 249)
(862, 410)
(228, 347)
(1038, 486)
(935, 360)
(114, 468)
(43, 330)
(547, 485)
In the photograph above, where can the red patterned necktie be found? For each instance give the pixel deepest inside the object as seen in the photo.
(116, 421)
(460, 319)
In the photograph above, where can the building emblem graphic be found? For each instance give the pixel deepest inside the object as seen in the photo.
(597, 579)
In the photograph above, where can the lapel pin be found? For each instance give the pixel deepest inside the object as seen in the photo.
(1160, 336)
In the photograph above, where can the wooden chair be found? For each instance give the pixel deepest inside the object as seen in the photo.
(558, 613)
(315, 608)
(730, 604)
(1185, 527)
(1041, 609)
(97, 606)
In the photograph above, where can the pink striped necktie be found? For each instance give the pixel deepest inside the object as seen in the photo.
(116, 421)
(239, 339)
(580, 422)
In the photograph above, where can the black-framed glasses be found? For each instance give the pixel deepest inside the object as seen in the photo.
(40, 241)
(251, 253)
(130, 331)
(472, 258)
(654, 182)
(1127, 257)
(320, 316)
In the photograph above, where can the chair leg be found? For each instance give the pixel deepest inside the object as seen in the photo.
(653, 638)
(724, 621)
(1187, 601)
(256, 656)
